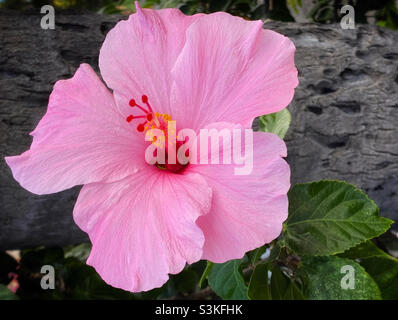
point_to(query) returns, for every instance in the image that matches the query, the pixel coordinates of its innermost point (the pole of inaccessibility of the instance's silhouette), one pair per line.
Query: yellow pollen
(159, 121)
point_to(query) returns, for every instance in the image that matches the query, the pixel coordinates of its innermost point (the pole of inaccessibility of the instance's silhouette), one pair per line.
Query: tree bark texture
(345, 111)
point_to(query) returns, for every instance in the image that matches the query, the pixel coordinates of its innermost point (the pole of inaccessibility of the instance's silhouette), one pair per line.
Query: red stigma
(148, 113)
(141, 127)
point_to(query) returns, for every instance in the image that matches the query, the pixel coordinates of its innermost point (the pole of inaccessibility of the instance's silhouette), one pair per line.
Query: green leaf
(279, 287)
(205, 273)
(329, 217)
(255, 255)
(275, 252)
(293, 292)
(284, 288)
(382, 267)
(327, 276)
(7, 294)
(81, 251)
(259, 288)
(226, 280)
(277, 122)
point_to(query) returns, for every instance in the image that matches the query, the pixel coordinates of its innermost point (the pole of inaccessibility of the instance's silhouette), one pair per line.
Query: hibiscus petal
(231, 70)
(247, 210)
(138, 54)
(81, 139)
(143, 227)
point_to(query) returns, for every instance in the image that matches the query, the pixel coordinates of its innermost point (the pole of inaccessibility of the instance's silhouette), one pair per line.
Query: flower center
(156, 120)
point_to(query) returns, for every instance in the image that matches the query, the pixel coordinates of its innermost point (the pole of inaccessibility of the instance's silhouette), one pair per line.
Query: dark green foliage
(323, 11)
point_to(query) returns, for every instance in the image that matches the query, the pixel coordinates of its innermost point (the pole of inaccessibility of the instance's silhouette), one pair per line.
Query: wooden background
(345, 111)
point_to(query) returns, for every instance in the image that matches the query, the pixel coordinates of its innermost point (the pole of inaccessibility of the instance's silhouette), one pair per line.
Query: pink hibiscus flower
(146, 222)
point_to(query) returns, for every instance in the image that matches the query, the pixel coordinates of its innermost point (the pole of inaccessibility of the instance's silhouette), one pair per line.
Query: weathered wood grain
(345, 111)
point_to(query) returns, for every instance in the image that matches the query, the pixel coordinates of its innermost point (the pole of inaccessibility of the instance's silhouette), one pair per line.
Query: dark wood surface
(345, 111)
